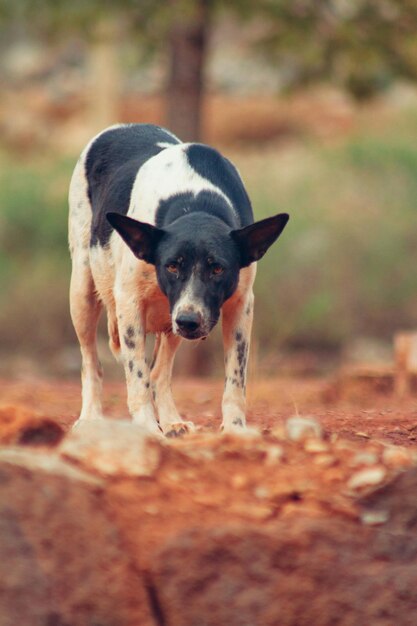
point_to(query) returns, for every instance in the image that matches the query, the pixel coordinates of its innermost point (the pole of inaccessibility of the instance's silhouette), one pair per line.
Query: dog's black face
(197, 266)
(197, 260)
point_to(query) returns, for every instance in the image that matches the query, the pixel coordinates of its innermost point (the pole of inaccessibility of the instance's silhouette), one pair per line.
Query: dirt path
(270, 402)
(218, 520)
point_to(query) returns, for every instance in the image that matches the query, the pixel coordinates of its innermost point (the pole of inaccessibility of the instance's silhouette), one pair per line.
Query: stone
(398, 498)
(45, 463)
(112, 448)
(299, 428)
(394, 456)
(364, 458)
(279, 432)
(368, 477)
(324, 460)
(274, 454)
(19, 425)
(315, 446)
(238, 481)
(298, 572)
(62, 560)
(374, 518)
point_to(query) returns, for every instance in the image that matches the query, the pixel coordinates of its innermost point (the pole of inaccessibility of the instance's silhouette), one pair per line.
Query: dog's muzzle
(190, 325)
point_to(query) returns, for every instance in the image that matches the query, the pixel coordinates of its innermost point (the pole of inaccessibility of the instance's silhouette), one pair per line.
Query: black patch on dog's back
(210, 164)
(112, 165)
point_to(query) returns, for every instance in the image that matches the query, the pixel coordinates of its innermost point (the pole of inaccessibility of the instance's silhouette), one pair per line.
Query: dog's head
(197, 260)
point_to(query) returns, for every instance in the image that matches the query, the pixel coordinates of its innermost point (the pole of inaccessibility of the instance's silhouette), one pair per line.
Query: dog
(162, 235)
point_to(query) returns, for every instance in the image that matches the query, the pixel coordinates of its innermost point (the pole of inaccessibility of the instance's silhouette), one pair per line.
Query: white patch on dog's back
(164, 175)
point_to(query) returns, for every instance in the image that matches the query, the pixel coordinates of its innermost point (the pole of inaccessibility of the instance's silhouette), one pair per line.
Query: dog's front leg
(237, 326)
(132, 332)
(170, 421)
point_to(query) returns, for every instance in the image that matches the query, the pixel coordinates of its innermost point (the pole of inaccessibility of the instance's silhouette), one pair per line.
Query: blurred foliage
(53, 18)
(344, 266)
(34, 263)
(360, 45)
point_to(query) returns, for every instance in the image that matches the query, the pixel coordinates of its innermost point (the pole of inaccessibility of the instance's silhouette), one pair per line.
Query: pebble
(279, 432)
(238, 481)
(364, 458)
(261, 492)
(363, 435)
(397, 457)
(315, 445)
(274, 454)
(367, 478)
(342, 444)
(374, 518)
(254, 511)
(300, 428)
(324, 460)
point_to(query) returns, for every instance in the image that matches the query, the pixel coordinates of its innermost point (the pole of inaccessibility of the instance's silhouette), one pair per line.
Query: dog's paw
(97, 417)
(178, 429)
(237, 425)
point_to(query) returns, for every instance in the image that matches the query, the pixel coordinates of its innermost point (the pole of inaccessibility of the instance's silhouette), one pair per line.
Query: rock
(315, 446)
(274, 454)
(62, 560)
(367, 478)
(397, 457)
(112, 447)
(45, 463)
(279, 432)
(374, 518)
(324, 460)
(300, 428)
(20, 426)
(398, 498)
(238, 481)
(298, 572)
(364, 458)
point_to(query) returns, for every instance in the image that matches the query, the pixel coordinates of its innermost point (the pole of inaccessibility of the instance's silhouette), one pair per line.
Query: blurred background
(315, 102)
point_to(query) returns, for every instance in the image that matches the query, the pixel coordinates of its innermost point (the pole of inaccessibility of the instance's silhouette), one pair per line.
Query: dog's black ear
(254, 240)
(141, 238)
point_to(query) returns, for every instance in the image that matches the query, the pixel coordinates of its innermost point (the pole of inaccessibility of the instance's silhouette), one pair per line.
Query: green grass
(346, 265)
(34, 259)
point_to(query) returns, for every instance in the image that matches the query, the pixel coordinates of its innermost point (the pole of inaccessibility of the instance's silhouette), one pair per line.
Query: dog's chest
(153, 302)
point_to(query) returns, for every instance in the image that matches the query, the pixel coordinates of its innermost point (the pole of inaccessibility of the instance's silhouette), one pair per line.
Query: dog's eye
(172, 268)
(217, 269)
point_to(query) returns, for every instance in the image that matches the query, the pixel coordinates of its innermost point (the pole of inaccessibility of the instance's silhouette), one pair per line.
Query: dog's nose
(188, 322)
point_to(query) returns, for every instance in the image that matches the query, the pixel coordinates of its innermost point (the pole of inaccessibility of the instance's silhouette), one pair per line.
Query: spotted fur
(183, 211)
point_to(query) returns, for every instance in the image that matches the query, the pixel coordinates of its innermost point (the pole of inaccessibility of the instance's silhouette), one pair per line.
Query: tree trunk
(187, 49)
(104, 76)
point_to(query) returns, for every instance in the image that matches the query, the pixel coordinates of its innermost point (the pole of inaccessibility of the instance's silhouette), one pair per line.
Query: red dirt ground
(268, 484)
(356, 416)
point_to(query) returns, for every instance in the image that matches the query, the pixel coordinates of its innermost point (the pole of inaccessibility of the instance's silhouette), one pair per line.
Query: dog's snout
(189, 322)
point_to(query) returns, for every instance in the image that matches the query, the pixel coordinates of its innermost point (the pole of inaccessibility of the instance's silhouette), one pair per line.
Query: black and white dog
(191, 253)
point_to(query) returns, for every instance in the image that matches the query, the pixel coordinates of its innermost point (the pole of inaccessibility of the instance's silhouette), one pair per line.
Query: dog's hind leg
(237, 327)
(85, 309)
(169, 419)
(113, 330)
